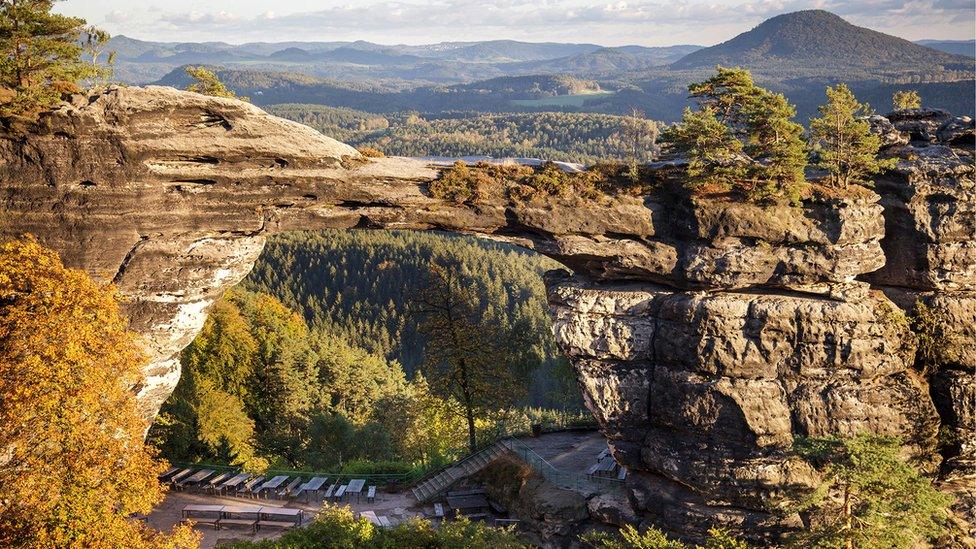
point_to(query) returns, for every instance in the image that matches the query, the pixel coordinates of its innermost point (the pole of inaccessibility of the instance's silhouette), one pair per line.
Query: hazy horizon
(577, 21)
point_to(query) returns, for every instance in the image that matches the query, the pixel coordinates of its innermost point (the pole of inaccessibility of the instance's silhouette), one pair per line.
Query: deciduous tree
(476, 363)
(73, 466)
(843, 140)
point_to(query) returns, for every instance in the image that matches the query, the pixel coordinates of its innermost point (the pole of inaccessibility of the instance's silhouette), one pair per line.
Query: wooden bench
(210, 521)
(438, 510)
(203, 514)
(285, 524)
(330, 491)
(384, 522)
(340, 492)
(250, 523)
(371, 494)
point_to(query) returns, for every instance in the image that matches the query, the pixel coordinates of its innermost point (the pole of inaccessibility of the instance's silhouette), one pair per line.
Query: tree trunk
(848, 524)
(472, 439)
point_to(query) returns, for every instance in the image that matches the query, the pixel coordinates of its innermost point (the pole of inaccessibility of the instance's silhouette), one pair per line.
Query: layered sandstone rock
(707, 333)
(930, 245)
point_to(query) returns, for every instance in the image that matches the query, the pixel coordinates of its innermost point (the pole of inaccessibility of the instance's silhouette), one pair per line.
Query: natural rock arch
(706, 333)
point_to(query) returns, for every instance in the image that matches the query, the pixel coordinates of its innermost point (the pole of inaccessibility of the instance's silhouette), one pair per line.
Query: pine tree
(870, 498)
(906, 99)
(714, 154)
(774, 154)
(847, 148)
(206, 82)
(40, 58)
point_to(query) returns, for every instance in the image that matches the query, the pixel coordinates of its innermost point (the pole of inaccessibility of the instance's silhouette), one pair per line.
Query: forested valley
(318, 359)
(564, 136)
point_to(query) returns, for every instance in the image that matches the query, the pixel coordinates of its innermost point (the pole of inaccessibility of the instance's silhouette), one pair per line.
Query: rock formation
(706, 333)
(930, 246)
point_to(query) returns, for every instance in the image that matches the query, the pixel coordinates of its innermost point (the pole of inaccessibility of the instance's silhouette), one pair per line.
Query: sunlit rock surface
(707, 333)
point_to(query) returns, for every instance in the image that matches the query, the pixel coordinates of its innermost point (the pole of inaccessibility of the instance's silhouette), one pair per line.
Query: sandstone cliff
(706, 333)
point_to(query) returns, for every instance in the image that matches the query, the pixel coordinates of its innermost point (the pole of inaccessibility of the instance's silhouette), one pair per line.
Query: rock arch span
(706, 333)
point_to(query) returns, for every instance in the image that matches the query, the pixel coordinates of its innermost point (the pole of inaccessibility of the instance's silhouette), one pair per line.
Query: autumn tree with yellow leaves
(73, 466)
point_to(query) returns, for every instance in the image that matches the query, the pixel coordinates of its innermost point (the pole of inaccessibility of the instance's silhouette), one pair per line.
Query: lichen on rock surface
(707, 334)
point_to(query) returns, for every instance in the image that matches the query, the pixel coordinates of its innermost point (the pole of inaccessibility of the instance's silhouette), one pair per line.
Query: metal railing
(569, 480)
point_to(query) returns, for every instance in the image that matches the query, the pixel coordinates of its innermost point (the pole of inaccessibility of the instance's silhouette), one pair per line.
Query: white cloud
(603, 21)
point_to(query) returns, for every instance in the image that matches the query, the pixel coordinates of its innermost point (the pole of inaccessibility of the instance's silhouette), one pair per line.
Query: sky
(606, 22)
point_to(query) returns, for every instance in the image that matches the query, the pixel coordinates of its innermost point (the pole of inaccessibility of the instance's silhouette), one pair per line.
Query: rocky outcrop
(707, 334)
(930, 245)
(549, 516)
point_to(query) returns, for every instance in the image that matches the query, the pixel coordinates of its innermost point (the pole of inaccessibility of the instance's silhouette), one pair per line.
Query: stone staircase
(431, 487)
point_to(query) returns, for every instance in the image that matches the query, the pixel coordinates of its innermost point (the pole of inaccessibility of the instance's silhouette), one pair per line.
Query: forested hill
(358, 285)
(817, 38)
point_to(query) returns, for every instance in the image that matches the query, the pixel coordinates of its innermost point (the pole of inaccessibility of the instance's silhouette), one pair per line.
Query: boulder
(920, 124)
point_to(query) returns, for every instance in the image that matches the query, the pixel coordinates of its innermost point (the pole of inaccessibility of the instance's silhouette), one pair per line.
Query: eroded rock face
(707, 334)
(930, 245)
(709, 389)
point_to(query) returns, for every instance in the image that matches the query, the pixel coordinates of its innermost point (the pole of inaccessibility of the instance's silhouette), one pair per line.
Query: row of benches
(250, 516)
(247, 485)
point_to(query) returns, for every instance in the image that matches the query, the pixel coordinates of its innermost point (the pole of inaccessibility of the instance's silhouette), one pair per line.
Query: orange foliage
(73, 466)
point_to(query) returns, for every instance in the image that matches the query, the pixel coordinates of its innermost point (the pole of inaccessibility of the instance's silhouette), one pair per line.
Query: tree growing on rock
(74, 466)
(906, 99)
(773, 154)
(40, 57)
(714, 154)
(468, 359)
(842, 138)
(206, 82)
(636, 136)
(870, 498)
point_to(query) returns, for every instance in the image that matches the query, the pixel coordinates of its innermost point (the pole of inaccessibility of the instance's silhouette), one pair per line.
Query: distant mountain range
(957, 47)
(450, 62)
(797, 54)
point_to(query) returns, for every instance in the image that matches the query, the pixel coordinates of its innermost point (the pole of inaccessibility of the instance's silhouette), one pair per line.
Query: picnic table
(473, 503)
(213, 482)
(197, 477)
(273, 483)
(292, 488)
(203, 514)
(371, 517)
(180, 475)
(189, 510)
(280, 517)
(240, 515)
(168, 472)
(235, 481)
(355, 486)
(313, 485)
